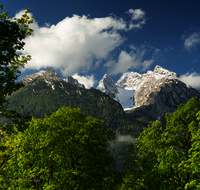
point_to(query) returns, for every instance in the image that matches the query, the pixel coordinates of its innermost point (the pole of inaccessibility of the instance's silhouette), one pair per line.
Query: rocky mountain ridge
(156, 92)
(133, 80)
(107, 85)
(74, 82)
(48, 76)
(123, 95)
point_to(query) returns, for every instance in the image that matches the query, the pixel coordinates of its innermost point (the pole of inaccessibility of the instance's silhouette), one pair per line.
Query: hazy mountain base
(39, 99)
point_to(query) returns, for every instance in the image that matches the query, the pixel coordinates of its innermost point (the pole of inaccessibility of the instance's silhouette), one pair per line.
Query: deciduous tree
(11, 35)
(167, 158)
(63, 151)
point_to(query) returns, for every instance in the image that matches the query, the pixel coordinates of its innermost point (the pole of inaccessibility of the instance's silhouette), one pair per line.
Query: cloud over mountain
(79, 44)
(133, 60)
(192, 79)
(88, 81)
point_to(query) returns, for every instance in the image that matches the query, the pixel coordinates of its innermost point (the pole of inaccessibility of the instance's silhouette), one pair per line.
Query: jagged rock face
(163, 95)
(155, 92)
(146, 85)
(51, 73)
(107, 85)
(42, 75)
(74, 82)
(49, 77)
(129, 80)
(151, 82)
(158, 69)
(161, 91)
(133, 81)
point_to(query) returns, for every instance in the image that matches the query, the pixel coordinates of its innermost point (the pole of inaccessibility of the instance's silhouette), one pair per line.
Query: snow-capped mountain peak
(158, 69)
(118, 93)
(129, 80)
(106, 84)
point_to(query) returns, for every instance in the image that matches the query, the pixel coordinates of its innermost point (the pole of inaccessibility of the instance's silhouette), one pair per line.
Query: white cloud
(147, 64)
(137, 15)
(191, 41)
(88, 81)
(74, 43)
(131, 46)
(132, 60)
(192, 79)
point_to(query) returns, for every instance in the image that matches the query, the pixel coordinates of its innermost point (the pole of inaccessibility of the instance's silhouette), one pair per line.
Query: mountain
(51, 75)
(161, 91)
(152, 94)
(44, 92)
(146, 97)
(74, 82)
(123, 95)
(129, 80)
(107, 85)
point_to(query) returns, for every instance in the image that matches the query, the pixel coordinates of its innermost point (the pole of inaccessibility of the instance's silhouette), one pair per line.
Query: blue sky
(87, 39)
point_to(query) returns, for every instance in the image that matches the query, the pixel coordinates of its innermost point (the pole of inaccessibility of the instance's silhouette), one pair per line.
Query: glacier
(125, 97)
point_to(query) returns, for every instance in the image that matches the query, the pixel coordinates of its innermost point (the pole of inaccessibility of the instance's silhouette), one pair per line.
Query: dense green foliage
(167, 159)
(11, 35)
(39, 99)
(63, 151)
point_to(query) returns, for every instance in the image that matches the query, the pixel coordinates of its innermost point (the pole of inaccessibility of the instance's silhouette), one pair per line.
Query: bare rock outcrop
(161, 91)
(107, 85)
(49, 77)
(42, 75)
(74, 82)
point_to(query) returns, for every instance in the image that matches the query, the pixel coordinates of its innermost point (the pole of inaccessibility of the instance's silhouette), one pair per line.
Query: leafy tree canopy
(11, 35)
(167, 158)
(63, 151)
